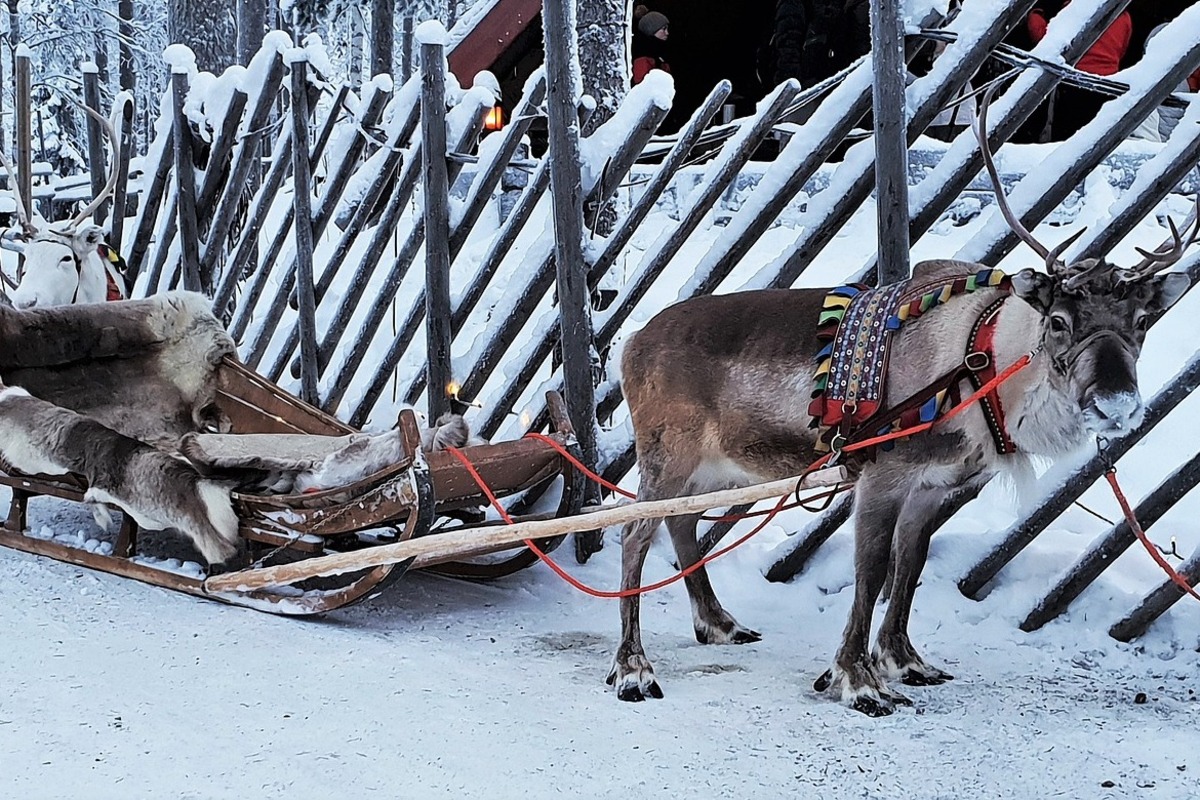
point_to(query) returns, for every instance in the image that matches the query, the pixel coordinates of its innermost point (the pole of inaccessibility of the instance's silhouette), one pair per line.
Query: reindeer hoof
(634, 680)
(930, 676)
(732, 633)
(872, 707)
(824, 682)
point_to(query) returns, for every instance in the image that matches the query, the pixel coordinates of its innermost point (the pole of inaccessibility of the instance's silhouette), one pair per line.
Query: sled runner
(402, 501)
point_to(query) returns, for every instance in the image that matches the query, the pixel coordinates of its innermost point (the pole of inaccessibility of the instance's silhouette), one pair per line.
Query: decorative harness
(858, 322)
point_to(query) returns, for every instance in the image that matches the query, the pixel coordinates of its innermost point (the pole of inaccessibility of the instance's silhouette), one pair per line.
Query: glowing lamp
(493, 120)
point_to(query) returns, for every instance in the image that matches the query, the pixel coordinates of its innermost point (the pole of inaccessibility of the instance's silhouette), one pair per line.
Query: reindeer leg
(712, 623)
(632, 672)
(894, 654)
(854, 672)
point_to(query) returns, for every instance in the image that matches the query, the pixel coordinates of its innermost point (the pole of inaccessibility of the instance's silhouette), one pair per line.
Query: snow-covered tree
(208, 28)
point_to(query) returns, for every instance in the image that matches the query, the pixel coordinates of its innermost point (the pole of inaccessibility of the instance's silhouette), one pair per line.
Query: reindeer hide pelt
(160, 492)
(146, 368)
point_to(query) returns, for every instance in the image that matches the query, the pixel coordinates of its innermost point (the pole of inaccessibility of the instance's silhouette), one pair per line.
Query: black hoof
(935, 678)
(822, 683)
(899, 700)
(632, 693)
(871, 707)
(747, 637)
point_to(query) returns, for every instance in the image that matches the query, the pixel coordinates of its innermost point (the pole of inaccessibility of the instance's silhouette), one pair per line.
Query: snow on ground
(442, 688)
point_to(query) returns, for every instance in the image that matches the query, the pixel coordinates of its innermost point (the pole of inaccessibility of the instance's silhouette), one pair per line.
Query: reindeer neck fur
(1042, 419)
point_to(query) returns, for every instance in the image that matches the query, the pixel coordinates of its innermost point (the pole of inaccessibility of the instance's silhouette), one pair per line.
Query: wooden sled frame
(398, 503)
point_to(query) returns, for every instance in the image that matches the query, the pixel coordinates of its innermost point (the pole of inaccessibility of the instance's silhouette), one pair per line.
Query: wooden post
(120, 192)
(891, 147)
(302, 204)
(185, 182)
(406, 48)
(383, 37)
(22, 137)
(95, 136)
(571, 271)
(437, 227)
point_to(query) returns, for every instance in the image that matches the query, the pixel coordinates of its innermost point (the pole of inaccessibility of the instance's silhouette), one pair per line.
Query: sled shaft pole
(439, 546)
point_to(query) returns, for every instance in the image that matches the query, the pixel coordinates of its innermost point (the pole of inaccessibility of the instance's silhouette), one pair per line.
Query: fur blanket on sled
(146, 368)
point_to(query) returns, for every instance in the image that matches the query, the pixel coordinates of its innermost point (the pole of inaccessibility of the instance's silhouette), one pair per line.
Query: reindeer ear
(1166, 289)
(1035, 288)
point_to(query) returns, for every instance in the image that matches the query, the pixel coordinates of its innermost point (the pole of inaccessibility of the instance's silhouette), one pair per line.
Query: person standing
(651, 29)
(1074, 106)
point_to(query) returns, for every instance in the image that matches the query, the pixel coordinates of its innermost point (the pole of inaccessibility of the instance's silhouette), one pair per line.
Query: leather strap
(980, 362)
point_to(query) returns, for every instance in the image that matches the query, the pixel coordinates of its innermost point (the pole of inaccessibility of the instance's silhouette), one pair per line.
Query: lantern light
(493, 120)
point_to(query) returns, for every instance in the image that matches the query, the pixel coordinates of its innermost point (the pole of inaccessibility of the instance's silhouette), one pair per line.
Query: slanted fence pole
(185, 183)
(891, 147)
(302, 204)
(96, 161)
(566, 189)
(1104, 552)
(437, 227)
(1156, 603)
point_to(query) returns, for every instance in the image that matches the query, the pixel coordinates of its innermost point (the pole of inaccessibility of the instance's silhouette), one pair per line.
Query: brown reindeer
(718, 388)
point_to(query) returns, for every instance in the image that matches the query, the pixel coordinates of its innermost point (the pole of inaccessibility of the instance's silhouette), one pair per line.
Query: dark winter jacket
(816, 38)
(648, 53)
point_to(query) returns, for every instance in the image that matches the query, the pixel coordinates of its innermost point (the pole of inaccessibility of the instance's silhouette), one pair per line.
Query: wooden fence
(312, 260)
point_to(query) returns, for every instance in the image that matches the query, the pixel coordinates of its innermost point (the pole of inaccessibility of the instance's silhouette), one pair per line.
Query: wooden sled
(398, 503)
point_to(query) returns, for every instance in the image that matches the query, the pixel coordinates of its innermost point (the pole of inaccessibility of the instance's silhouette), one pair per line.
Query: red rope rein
(1111, 476)
(991, 385)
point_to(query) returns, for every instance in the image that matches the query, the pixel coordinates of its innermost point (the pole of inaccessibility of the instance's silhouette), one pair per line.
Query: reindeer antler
(27, 226)
(111, 135)
(1167, 253)
(1054, 265)
(1020, 230)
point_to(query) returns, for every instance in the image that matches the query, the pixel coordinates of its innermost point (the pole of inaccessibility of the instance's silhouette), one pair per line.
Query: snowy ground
(448, 689)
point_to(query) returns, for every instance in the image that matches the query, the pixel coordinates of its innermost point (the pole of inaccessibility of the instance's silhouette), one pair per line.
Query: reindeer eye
(1059, 323)
(1142, 323)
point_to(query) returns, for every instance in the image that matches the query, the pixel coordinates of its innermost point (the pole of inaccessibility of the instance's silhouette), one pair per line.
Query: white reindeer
(68, 263)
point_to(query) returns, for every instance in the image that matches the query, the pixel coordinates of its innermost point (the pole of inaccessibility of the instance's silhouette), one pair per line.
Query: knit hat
(652, 22)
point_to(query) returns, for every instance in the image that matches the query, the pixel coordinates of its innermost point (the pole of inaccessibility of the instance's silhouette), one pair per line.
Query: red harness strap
(980, 362)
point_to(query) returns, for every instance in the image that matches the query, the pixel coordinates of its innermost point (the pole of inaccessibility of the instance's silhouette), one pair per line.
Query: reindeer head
(68, 263)
(1094, 315)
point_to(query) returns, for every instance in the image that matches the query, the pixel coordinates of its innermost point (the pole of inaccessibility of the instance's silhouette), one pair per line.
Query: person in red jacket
(649, 43)
(1075, 107)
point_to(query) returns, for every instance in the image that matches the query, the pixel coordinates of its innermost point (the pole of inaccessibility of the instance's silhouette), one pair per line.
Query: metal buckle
(977, 361)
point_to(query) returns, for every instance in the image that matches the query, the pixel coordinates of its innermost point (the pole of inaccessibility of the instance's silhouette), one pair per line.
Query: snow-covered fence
(352, 329)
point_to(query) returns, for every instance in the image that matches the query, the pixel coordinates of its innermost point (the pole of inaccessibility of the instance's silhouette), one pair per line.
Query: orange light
(493, 120)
